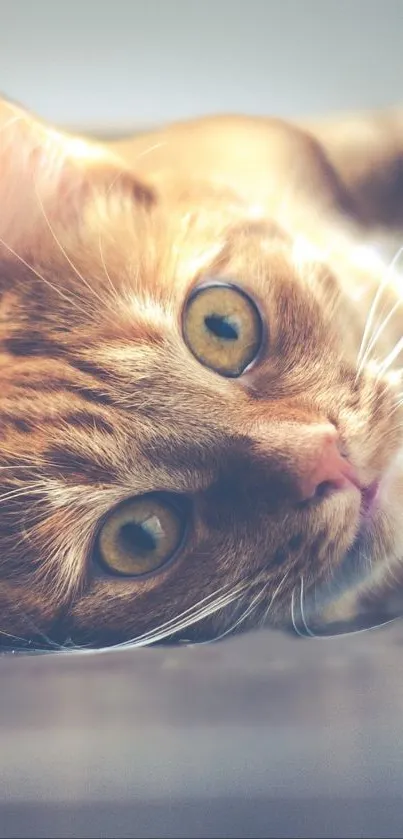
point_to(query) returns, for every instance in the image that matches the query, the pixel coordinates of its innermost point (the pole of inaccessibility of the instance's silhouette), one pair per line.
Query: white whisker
(203, 608)
(391, 358)
(249, 609)
(301, 604)
(355, 631)
(179, 626)
(295, 627)
(151, 149)
(364, 350)
(107, 275)
(64, 252)
(16, 493)
(274, 595)
(70, 300)
(13, 637)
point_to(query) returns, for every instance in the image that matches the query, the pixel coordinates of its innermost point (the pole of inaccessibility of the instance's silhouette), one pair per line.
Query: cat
(201, 401)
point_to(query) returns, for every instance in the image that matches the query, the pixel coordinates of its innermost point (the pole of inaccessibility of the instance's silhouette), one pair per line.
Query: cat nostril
(324, 467)
(324, 489)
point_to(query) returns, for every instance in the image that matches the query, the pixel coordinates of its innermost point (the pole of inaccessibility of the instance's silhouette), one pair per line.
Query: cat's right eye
(222, 327)
(140, 536)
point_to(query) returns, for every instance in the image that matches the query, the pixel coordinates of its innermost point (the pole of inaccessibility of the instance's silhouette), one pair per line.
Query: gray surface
(123, 62)
(258, 736)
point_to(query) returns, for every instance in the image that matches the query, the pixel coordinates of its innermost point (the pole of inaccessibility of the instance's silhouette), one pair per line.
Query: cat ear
(48, 174)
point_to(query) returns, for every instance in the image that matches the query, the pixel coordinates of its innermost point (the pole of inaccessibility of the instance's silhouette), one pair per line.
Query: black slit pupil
(136, 537)
(221, 327)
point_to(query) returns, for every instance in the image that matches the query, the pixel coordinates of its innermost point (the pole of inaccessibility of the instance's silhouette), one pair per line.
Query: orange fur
(101, 400)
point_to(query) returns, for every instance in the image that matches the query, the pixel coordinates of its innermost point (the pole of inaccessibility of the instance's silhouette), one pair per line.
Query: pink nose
(322, 467)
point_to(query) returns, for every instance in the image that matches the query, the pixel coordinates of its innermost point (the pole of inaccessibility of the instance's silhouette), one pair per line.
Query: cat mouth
(367, 511)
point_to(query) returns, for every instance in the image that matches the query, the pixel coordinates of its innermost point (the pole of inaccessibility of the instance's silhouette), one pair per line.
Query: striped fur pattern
(100, 400)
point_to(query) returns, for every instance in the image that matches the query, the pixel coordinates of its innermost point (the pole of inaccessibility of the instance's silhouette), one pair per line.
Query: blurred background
(117, 64)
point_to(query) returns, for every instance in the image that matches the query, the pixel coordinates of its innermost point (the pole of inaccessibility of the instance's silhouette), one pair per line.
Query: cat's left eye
(140, 536)
(222, 327)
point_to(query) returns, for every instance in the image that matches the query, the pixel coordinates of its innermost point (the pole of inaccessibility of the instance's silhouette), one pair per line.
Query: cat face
(187, 449)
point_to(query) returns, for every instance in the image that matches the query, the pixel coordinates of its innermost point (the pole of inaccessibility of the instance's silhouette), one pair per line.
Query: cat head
(187, 446)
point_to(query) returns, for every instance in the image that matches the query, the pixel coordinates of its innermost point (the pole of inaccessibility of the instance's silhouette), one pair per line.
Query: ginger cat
(201, 399)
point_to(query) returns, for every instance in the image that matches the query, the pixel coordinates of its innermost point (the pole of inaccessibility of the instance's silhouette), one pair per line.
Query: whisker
(254, 604)
(249, 609)
(151, 149)
(274, 595)
(204, 608)
(355, 631)
(70, 300)
(159, 635)
(13, 637)
(363, 350)
(107, 275)
(165, 630)
(380, 329)
(64, 252)
(167, 626)
(20, 491)
(391, 357)
(296, 630)
(301, 605)
(54, 645)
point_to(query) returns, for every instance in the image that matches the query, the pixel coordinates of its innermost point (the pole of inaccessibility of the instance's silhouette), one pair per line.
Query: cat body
(200, 406)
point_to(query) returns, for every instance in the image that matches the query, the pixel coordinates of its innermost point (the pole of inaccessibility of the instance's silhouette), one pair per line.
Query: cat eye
(222, 328)
(140, 536)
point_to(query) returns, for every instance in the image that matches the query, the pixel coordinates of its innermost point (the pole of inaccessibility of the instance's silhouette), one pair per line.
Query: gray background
(97, 64)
